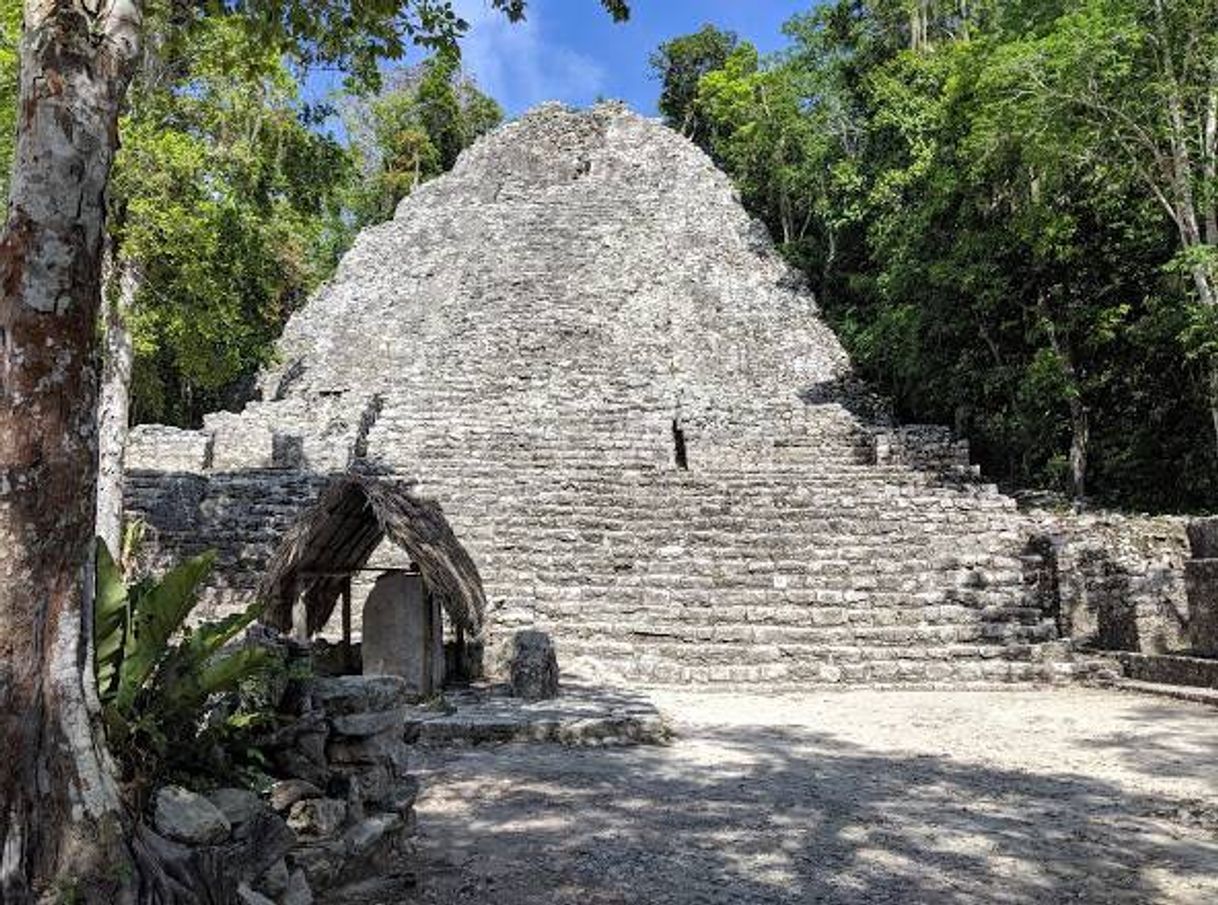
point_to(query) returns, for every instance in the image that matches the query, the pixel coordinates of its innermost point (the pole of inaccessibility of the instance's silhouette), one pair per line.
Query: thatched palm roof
(338, 535)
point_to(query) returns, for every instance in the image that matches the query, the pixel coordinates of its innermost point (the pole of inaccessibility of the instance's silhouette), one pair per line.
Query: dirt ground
(1075, 795)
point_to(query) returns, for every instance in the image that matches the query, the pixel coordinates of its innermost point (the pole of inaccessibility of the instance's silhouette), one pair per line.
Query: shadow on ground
(762, 814)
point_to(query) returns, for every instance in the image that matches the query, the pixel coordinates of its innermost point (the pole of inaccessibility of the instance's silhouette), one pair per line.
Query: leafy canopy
(992, 202)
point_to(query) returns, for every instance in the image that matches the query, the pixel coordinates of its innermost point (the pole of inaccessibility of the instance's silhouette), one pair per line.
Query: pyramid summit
(633, 416)
(568, 256)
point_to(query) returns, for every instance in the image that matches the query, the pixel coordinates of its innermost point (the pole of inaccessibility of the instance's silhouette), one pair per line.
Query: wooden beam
(348, 573)
(346, 592)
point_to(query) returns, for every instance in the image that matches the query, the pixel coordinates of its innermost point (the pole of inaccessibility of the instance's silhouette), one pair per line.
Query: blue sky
(570, 50)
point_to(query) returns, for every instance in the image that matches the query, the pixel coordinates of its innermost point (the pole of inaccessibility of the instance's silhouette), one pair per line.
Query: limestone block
(387, 749)
(1201, 580)
(343, 695)
(317, 817)
(184, 816)
(361, 725)
(240, 806)
(287, 792)
(238, 443)
(155, 447)
(534, 666)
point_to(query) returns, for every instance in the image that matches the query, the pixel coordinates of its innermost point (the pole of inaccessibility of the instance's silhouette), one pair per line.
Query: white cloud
(518, 65)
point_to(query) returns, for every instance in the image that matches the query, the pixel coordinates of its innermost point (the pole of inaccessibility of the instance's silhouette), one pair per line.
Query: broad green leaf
(111, 622)
(157, 614)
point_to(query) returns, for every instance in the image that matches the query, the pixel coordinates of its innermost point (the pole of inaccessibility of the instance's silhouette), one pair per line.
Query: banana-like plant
(154, 688)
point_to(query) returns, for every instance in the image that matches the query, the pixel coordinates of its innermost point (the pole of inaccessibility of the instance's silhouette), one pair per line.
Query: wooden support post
(435, 625)
(347, 666)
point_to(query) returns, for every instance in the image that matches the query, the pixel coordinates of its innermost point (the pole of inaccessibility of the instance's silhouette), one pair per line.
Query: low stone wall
(930, 447)
(348, 798)
(240, 515)
(1196, 672)
(1112, 581)
(341, 810)
(157, 447)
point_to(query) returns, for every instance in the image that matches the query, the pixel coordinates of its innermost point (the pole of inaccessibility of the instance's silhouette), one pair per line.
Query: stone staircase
(778, 557)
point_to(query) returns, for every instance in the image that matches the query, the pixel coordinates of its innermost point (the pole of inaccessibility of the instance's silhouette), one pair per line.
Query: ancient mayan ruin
(636, 422)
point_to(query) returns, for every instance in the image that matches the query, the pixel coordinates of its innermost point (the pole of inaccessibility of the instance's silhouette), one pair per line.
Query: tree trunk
(1080, 437)
(62, 829)
(1080, 422)
(113, 412)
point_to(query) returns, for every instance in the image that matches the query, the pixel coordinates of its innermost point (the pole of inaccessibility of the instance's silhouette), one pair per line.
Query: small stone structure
(311, 573)
(341, 811)
(648, 440)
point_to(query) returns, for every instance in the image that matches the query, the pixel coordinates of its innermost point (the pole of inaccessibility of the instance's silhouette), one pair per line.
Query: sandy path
(1065, 796)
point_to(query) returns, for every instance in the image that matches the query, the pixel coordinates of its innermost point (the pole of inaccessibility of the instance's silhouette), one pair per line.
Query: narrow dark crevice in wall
(680, 453)
(294, 372)
(366, 422)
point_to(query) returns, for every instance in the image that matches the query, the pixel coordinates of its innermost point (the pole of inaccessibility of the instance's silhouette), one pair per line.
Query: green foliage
(679, 64)
(411, 131)
(228, 205)
(10, 37)
(990, 209)
(160, 696)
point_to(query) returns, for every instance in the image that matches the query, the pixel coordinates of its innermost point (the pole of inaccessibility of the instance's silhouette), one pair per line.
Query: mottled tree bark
(61, 829)
(113, 413)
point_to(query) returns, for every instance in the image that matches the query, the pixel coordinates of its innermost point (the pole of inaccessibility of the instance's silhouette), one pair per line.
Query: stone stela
(403, 632)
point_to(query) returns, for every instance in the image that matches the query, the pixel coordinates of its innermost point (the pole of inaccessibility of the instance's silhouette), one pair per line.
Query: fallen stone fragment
(287, 792)
(187, 817)
(298, 891)
(317, 817)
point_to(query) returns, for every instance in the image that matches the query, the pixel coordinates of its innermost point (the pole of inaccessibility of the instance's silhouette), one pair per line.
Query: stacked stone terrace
(635, 419)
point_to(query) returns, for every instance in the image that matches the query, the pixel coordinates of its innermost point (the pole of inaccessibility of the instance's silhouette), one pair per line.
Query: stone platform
(582, 714)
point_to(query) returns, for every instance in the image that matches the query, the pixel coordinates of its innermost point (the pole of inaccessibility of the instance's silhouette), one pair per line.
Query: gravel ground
(1074, 795)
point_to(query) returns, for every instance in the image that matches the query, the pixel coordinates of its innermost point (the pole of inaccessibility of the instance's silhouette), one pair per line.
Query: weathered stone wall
(635, 420)
(1119, 579)
(241, 515)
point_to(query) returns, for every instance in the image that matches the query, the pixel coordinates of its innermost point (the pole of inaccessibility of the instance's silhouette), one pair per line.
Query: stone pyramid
(580, 344)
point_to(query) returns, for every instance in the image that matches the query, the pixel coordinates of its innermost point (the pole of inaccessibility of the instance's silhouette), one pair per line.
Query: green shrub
(168, 690)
